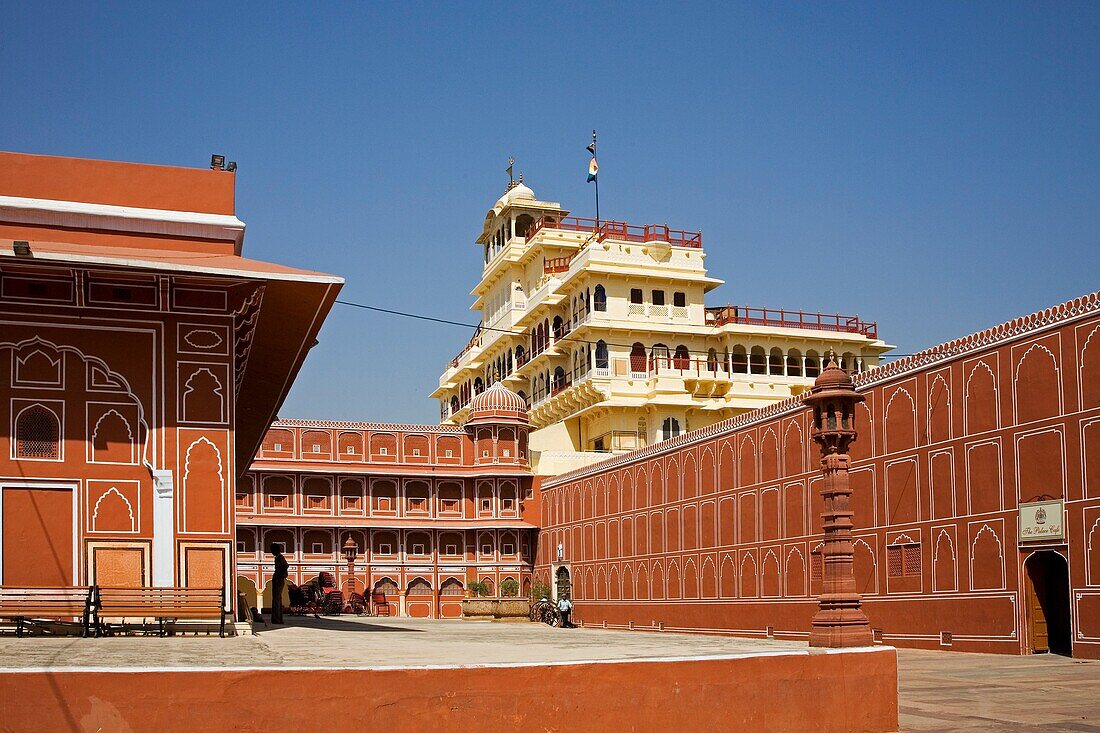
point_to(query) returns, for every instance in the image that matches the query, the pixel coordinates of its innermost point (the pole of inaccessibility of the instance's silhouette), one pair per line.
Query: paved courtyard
(368, 642)
(939, 691)
(951, 691)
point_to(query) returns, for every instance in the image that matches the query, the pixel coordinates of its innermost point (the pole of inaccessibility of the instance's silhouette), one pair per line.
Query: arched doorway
(565, 586)
(1046, 581)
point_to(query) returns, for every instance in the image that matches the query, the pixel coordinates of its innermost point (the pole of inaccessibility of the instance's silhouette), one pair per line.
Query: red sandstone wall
(116, 183)
(853, 691)
(720, 529)
(134, 371)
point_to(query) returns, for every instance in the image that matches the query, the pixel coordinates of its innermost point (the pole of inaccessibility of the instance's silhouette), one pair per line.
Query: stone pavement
(348, 641)
(974, 693)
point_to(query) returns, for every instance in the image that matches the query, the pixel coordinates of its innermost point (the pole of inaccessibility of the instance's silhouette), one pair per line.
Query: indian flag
(593, 169)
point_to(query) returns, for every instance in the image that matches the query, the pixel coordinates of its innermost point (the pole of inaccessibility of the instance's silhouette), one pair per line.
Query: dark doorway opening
(565, 588)
(1047, 603)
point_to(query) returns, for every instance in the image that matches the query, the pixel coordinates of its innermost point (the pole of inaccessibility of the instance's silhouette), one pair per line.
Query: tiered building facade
(430, 508)
(602, 326)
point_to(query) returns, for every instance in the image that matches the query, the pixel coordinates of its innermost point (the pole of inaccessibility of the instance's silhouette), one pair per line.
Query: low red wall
(853, 691)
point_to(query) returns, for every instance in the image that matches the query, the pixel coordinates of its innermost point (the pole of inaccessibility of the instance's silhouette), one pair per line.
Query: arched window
(758, 362)
(659, 354)
(637, 357)
(523, 224)
(683, 357)
(559, 327)
(479, 386)
(37, 434)
(712, 360)
(775, 362)
(670, 428)
(794, 363)
(599, 298)
(559, 378)
(740, 360)
(454, 404)
(813, 364)
(601, 354)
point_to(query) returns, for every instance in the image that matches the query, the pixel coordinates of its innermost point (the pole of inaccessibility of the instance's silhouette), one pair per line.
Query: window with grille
(451, 550)
(486, 505)
(817, 565)
(420, 587)
(318, 548)
(507, 549)
(451, 588)
(903, 560)
(385, 549)
(418, 550)
(450, 505)
(486, 549)
(508, 504)
(37, 434)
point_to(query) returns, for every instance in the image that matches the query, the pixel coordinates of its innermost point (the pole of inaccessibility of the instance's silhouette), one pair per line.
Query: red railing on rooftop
(780, 318)
(620, 230)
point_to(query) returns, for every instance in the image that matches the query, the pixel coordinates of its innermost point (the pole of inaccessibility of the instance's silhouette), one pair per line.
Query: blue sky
(934, 167)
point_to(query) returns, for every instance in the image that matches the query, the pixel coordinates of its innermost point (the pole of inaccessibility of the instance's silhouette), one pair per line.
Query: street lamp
(351, 551)
(839, 621)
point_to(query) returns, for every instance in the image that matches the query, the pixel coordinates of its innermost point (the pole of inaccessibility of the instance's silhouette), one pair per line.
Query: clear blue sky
(934, 167)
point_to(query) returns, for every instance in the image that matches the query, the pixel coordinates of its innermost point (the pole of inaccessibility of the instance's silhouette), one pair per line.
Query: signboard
(1041, 521)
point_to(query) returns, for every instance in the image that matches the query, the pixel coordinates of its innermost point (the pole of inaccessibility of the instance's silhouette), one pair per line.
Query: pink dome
(497, 404)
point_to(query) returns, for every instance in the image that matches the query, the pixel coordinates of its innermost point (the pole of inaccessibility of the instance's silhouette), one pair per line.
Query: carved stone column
(839, 621)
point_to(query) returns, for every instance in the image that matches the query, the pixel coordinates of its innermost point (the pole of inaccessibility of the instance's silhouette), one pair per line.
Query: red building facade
(431, 508)
(141, 360)
(962, 449)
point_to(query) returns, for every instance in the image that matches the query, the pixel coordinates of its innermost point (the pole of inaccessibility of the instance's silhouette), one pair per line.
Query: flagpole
(596, 181)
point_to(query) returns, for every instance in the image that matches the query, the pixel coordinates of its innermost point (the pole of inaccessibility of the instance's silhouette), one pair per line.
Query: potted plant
(478, 606)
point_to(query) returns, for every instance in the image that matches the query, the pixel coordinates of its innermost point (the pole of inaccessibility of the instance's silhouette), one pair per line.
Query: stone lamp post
(351, 551)
(839, 621)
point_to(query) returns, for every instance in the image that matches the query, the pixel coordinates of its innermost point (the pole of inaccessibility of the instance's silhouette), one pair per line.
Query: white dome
(520, 193)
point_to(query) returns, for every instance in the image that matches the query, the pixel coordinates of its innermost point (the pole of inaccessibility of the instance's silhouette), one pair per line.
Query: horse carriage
(320, 596)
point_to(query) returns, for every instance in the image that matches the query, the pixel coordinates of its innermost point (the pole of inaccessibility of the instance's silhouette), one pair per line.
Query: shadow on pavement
(326, 623)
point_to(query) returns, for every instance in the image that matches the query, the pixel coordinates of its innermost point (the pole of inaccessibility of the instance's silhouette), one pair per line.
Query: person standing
(278, 580)
(565, 607)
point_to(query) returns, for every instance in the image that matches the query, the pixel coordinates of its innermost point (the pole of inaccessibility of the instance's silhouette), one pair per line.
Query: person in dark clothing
(278, 580)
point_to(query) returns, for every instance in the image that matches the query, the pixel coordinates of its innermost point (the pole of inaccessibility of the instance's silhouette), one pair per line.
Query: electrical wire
(566, 337)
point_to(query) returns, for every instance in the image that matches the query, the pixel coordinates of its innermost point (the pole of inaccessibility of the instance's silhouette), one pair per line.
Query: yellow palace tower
(603, 328)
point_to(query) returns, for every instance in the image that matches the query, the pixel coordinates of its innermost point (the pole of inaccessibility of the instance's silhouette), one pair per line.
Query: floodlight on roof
(217, 162)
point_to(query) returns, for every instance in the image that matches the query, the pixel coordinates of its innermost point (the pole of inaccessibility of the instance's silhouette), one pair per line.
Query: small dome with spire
(497, 404)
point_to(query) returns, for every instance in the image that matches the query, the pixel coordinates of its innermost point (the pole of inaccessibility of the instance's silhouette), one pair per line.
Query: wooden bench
(162, 604)
(24, 603)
